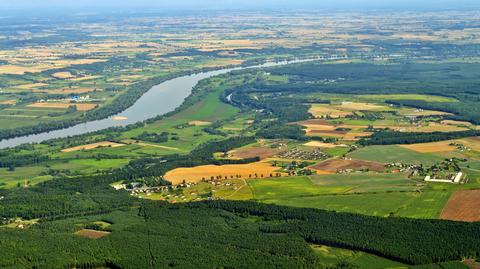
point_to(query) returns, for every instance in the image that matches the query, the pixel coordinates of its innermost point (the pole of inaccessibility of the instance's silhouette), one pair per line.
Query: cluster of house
(303, 154)
(401, 167)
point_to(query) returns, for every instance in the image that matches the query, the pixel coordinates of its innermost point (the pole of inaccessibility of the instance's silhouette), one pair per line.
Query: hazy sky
(240, 4)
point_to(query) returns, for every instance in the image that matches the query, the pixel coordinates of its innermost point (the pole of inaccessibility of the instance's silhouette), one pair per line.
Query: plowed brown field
(463, 206)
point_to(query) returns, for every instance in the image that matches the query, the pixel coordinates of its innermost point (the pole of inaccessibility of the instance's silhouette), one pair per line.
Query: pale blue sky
(212, 4)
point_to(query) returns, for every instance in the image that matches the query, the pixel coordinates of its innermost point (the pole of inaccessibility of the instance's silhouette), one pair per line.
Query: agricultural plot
(443, 146)
(463, 205)
(335, 165)
(92, 234)
(79, 107)
(394, 154)
(344, 109)
(94, 146)
(22, 176)
(209, 172)
(263, 152)
(357, 193)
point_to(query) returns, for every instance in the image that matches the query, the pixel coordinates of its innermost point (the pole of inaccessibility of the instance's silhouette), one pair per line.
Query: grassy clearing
(375, 204)
(330, 256)
(363, 183)
(101, 164)
(283, 189)
(428, 204)
(371, 194)
(420, 97)
(10, 179)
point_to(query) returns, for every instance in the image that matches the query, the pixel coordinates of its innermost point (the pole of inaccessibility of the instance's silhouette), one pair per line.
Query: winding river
(159, 100)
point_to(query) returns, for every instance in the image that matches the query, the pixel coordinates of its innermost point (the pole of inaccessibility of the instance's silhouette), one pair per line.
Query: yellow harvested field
(222, 62)
(318, 144)
(327, 110)
(351, 106)
(63, 75)
(206, 172)
(156, 146)
(199, 123)
(442, 146)
(67, 90)
(31, 86)
(16, 70)
(354, 136)
(319, 127)
(47, 65)
(84, 78)
(8, 102)
(455, 122)
(94, 146)
(80, 107)
(344, 109)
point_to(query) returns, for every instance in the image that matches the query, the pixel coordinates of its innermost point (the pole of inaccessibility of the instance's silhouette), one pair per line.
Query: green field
(331, 256)
(394, 154)
(370, 194)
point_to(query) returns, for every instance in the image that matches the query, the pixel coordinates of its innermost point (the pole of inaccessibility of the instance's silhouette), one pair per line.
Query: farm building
(455, 179)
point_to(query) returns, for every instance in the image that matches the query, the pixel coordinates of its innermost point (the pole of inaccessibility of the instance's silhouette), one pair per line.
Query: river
(160, 99)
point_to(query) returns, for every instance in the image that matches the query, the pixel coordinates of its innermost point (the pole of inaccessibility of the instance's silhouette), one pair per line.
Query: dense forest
(221, 234)
(459, 81)
(387, 137)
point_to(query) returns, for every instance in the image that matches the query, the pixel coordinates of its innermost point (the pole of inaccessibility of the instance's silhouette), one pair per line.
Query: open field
(354, 136)
(80, 107)
(456, 122)
(318, 144)
(335, 165)
(206, 172)
(31, 86)
(420, 97)
(463, 205)
(21, 175)
(363, 260)
(48, 65)
(348, 193)
(442, 146)
(91, 234)
(387, 154)
(320, 111)
(344, 109)
(354, 106)
(256, 151)
(94, 146)
(67, 90)
(63, 75)
(199, 123)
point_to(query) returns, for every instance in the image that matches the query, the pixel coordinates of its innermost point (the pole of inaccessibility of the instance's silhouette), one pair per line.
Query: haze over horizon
(242, 4)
